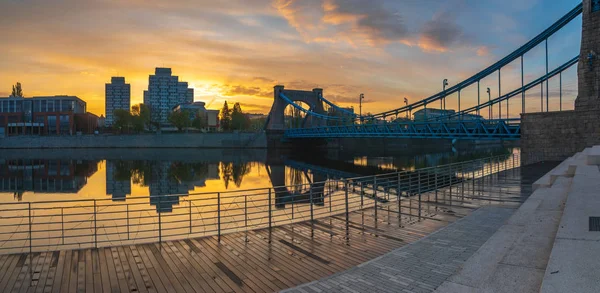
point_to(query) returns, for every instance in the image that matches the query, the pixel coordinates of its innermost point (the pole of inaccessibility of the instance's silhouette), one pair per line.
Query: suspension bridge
(487, 120)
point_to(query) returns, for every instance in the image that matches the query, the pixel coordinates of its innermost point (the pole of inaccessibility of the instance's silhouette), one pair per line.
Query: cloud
(440, 34)
(240, 90)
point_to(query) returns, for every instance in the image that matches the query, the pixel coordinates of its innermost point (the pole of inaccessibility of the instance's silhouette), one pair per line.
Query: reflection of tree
(296, 179)
(184, 172)
(234, 172)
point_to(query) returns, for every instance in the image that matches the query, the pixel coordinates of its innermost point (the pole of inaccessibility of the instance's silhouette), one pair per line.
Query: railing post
(219, 217)
(127, 218)
(95, 226)
(190, 214)
(62, 224)
(246, 211)
(346, 199)
(419, 188)
(435, 171)
(30, 235)
(270, 211)
(311, 204)
(375, 195)
(159, 219)
(362, 192)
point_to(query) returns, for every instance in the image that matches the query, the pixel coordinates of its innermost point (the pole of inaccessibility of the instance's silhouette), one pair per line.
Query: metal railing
(93, 223)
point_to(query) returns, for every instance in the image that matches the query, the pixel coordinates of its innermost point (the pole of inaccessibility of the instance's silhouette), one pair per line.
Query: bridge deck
(262, 260)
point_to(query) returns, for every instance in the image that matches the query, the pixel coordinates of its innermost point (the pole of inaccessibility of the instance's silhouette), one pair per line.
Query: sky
(237, 50)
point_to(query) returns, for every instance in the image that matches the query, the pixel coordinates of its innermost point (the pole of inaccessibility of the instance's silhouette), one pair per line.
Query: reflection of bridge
(323, 119)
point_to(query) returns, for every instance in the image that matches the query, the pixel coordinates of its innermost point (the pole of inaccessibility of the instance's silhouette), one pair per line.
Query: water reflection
(168, 175)
(44, 176)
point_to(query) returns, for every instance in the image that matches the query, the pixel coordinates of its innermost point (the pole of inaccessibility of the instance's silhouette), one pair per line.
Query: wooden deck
(254, 261)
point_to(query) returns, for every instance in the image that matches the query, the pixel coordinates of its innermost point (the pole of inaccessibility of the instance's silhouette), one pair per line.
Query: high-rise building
(118, 96)
(165, 91)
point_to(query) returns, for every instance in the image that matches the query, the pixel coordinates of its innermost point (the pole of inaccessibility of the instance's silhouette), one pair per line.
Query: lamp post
(443, 101)
(490, 104)
(362, 97)
(406, 103)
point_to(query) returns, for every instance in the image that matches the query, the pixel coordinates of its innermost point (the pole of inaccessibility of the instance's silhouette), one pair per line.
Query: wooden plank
(7, 270)
(138, 271)
(55, 283)
(134, 281)
(112, 271)
(153, 277)
(167, 263)
(104, 277)
(73, 271)
(122, 281)
(165, 274)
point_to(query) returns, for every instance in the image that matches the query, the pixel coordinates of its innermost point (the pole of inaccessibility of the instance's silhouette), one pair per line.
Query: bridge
(308, 114)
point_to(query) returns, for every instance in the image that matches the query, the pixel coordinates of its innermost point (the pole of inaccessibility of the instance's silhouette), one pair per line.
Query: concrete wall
(205, 140)
(555, 136)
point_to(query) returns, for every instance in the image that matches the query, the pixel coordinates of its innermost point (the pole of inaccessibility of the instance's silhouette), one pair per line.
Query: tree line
(139, 119)
(233, 119)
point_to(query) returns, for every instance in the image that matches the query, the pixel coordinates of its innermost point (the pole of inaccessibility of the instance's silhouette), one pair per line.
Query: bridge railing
(93, 223)
(465, 129)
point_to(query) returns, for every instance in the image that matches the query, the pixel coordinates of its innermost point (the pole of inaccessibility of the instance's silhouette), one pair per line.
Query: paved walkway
(421, 266)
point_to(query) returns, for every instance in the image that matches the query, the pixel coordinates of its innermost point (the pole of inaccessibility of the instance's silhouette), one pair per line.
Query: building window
(51, 106)
(44, 107)
(595, 5)
(52, 124)
(64, 124)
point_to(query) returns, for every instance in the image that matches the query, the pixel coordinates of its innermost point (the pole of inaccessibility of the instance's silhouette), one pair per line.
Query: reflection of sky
(211, 177)
(387, 49)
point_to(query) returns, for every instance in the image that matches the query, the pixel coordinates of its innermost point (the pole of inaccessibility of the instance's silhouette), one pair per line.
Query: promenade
(286, 256)
(549, 244)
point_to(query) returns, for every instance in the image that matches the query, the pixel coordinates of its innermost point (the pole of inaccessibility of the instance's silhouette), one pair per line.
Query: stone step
(574, 261)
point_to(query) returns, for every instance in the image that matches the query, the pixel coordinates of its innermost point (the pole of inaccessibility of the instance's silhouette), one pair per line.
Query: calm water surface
(34, 176)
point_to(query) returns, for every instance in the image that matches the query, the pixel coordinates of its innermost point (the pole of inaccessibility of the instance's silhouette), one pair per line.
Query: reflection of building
(45, 176)
(119, 188)
(162, 185)
(118, 96)
(165, 91)
(44, 115)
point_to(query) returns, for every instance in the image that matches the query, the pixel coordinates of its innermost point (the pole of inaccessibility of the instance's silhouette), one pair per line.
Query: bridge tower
(558, 135)
(588, 71)
(311, 98)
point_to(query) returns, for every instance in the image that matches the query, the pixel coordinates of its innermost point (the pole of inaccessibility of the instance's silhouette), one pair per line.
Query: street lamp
(406, 103)
(490, 104)
(362, 97)
(444, 85)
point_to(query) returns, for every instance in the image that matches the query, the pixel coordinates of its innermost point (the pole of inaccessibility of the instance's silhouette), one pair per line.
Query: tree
(199, 122)
(141, 116)
(239, 120)
(180, 119)
(225, 117)
(17, 91)
(123, 119)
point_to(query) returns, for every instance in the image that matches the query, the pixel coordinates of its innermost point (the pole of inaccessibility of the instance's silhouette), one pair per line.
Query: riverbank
(179, 140)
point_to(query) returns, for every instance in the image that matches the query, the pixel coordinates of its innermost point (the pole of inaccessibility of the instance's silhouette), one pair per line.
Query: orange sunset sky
(237, 50)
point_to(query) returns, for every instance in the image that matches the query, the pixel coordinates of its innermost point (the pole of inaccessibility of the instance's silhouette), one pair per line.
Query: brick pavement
(421, 266)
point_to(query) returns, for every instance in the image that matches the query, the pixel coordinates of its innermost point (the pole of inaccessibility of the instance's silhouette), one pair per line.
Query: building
(117, 96)
(42, 115)
(198, 109)
(431, 113)
(164, 93)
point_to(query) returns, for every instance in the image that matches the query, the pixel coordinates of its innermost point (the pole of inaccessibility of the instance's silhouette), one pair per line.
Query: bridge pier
(554, 136)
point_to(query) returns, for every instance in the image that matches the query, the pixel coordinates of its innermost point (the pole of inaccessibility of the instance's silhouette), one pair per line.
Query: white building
(165, 91)
(118, 96)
